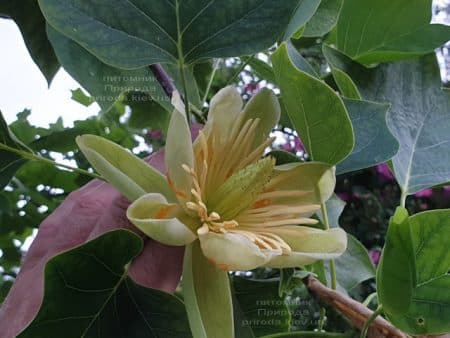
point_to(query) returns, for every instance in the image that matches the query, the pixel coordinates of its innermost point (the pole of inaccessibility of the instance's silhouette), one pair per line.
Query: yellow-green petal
(233, 251)
(224, 109)
(308, 245)
(128, 173)
(317, 177)
(207, 296)
(178, 151)
(150, 213)
(265, 106)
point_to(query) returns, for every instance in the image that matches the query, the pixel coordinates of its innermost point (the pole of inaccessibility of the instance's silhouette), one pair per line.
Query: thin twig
(354, 311)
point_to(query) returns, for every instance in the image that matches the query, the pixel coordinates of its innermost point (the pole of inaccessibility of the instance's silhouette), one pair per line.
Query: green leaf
(325, 18)
(315, 111)
(88, 294)
(334, 206)
(374, 142)
(31, 22)
(261, 68)
(10, 161)
(418, 117)
(79, 96)
(146, 112)
(413, 276)
(259, 308)
(354, 266)
(302, 14)
(105, 83)
(206, 292)
(384, 30)
(133, 34)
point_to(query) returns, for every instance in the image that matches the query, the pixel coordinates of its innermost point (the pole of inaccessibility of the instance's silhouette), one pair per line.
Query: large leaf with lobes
(374, 142)
(132, 34)
(88, 294)
(384, 30)
(104, 82)
(316, 111)
(413, 277)
(419, 117)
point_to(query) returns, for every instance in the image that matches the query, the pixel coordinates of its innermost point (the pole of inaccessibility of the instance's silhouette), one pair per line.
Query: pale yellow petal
(232, 251)
(308, 245)
(178, 152)
(156, 218)
(264, 106)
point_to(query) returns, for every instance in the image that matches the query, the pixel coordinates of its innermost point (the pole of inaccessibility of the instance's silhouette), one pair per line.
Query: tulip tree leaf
(419, 117)
(104, 82)
(10, 161)
(88, 294)
(31, 22)
(134, 34)
(384, 30)
(374, 142)
(413, 277)
(354, 266)
(325, 18)
(258, 307)
(315, 110)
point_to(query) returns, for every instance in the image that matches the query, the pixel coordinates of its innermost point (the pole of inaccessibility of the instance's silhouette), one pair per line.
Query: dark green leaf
(10, 162)
(316, 111)
(283, 157)
(260, 307)
(413, 276)
(145, 112)
(28, 17)
(104, 82)
(133, 34)
(88, 294)
(324, 19)
(374, 142)
(384, 30)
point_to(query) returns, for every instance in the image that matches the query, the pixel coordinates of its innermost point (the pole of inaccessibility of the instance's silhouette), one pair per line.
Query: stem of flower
(332, 264)
(30, 156)
(403, 199)
(369, 321)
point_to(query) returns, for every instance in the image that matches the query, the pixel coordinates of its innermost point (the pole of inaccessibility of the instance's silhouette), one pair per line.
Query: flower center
(212, 222)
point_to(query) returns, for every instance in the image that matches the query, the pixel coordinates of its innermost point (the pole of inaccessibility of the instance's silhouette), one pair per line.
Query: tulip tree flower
(232, 208)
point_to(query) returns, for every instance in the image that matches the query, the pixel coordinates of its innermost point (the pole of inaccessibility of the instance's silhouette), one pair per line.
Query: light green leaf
(316, 111)
(104, 82)
(31, 23)
(134, 34)
(384, 30)
(128, 173)
(79, 96)
(324, 19)
(334, 206)
(10, 162)
(413, 279)
(374, 142)
(88, 294)
(207, 295)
